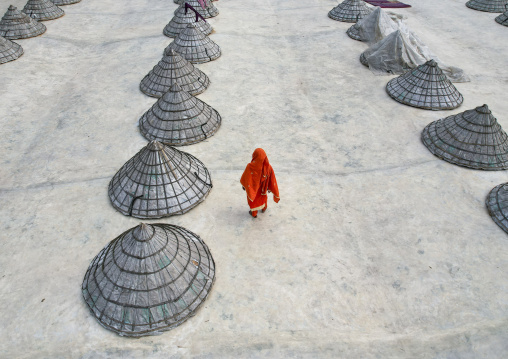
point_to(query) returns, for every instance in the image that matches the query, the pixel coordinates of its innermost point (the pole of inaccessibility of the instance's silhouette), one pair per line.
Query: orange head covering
(256, 173)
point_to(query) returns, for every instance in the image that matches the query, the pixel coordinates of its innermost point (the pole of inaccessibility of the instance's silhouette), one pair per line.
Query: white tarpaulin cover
(401, 51)
(373, 27)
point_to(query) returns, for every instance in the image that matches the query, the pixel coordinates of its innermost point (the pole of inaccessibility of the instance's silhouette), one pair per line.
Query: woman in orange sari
(257, 180)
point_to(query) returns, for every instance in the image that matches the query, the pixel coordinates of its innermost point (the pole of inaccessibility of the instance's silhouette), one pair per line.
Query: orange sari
(258, 179)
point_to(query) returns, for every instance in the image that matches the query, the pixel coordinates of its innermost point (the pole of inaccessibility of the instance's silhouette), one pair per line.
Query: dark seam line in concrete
(92, 44)
(338, 174)
(52, 184)
(132, 39)
(102, 14)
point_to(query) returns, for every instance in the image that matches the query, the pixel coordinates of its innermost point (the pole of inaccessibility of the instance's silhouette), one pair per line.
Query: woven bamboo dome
(488, 5)
(173, 68)
(149, 279)
(503, 19)
(350, 11)
(209, 11)
(373, 27)
(159, 181)
(180, 21)
(9, 51)
(194, 46)
(472, 139)
(65, 2)
(179, 119)
(17, 25)
(497, 205)
(179, 2)
(42, 10)
(425, 87)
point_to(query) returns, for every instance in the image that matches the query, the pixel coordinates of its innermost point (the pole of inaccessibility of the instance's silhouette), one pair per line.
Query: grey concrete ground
(377, 249)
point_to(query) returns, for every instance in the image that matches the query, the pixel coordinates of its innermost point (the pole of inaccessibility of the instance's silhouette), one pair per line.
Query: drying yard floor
(377, 248)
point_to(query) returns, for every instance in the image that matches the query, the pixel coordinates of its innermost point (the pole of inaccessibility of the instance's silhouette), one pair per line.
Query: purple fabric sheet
(387, 4)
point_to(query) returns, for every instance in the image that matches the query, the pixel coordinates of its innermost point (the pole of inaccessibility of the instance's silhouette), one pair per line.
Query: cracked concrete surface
(377, 249)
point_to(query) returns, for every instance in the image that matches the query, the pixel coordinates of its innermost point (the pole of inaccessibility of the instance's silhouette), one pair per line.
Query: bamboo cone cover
(472, 139)
(159, 181)
(173, 68)
(149, 279)
(488, 5)
(17, 25)
(350, 11)
(9, 51)
(179, 119)
(194, 46)
(209, 11)
(503, 18)
(65, 2)
(354, 31)
(181, 20)
(425, 87)
(42, 10)
(497, 205)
